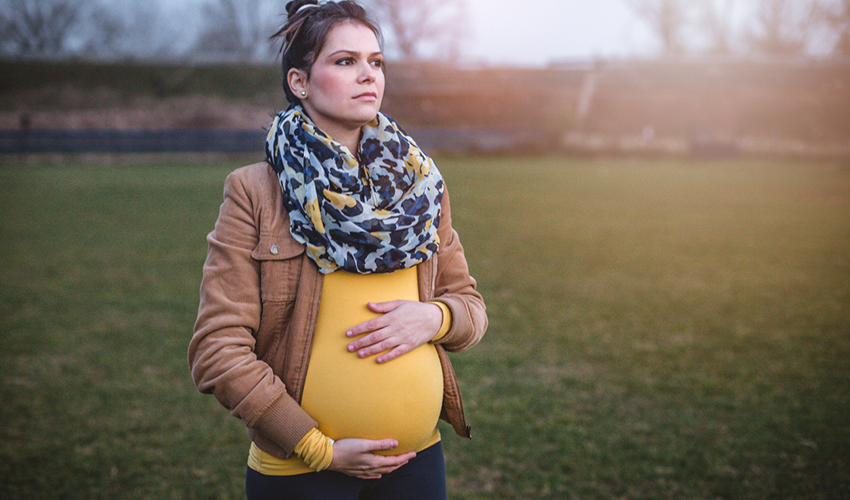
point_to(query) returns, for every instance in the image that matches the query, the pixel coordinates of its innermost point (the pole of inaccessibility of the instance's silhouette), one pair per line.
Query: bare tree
(38, 27)
(126, 28)
(105, 32)
(238, 29)
(667, 19)
(716, 20)
(782, 27)
(422, 29)
(836, 17)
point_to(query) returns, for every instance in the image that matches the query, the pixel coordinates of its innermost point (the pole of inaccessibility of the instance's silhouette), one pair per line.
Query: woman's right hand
(355, 457)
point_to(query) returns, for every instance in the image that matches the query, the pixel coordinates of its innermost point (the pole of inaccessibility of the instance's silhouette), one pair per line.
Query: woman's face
(346, 83)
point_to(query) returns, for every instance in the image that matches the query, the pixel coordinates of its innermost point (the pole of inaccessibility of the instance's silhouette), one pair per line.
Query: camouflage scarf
(374, 213)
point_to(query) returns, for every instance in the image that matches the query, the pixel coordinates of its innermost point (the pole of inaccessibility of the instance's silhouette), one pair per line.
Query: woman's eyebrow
(353, 52)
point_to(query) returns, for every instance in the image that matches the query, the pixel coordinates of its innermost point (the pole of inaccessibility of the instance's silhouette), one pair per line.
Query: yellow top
(352, 397)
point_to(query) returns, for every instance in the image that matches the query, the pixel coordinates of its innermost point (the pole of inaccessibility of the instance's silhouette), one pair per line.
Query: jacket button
(274, 250)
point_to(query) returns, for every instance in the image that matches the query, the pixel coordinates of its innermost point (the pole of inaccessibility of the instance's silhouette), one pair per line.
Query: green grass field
(659, 329)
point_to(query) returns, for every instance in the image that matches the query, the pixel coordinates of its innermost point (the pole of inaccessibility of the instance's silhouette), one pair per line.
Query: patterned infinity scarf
(375, 215)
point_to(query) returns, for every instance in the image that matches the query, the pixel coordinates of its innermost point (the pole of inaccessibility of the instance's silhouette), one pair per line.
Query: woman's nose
(368, 73)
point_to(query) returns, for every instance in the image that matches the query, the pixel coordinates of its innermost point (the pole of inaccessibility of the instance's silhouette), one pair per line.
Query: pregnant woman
(334, 284)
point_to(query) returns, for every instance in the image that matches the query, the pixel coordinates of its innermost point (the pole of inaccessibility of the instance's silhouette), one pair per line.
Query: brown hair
(306, 30)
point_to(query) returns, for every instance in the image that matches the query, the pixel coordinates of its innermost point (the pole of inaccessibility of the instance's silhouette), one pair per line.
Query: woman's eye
(345, 61)
(378, 63)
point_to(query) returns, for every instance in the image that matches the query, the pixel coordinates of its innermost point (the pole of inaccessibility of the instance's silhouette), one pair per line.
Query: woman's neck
(349, 139)
(346, 134)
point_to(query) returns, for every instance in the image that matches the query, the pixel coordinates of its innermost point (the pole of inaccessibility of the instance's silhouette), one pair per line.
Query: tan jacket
(259, 300)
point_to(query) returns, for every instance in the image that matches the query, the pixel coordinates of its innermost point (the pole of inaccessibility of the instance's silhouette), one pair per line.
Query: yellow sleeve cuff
(316, 449)
(447, 320)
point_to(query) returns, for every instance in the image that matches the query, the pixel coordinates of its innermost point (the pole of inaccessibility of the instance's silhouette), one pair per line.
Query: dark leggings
(423, 478)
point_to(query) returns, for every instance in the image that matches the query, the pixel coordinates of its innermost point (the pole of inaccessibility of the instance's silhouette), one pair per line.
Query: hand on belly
(402, 325)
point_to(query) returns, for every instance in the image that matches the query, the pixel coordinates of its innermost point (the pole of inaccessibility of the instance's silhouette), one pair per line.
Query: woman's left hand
(402, 326)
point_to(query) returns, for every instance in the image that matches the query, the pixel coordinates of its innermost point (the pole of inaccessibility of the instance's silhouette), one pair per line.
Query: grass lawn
(659, 329)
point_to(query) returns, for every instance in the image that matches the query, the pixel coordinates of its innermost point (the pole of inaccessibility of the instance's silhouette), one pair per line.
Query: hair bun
(293, 6)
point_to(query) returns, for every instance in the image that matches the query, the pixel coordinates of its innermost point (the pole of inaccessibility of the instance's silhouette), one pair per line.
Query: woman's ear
(297, 81)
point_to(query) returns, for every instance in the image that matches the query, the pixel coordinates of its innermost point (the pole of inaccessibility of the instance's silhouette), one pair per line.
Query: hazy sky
(536, 32)
(550, 30)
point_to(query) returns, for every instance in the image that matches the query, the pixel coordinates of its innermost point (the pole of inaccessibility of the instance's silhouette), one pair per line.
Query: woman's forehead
(351, 36)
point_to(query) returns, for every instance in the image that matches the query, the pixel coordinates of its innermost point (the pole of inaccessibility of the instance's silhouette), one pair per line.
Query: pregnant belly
(352, 397)
(358, 398)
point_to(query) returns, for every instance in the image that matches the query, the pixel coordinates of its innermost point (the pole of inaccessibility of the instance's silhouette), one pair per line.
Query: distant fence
(130, 141)
(240, 141)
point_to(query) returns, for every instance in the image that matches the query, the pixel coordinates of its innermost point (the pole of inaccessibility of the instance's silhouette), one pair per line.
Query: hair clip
(306, 6)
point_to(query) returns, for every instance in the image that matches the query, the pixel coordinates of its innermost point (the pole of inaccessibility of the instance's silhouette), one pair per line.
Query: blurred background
(697, 77)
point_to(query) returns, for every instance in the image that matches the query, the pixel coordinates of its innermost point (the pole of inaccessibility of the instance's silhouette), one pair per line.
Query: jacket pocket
(280, 266)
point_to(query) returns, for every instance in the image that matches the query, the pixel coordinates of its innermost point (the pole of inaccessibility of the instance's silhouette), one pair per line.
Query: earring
(303, 94)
